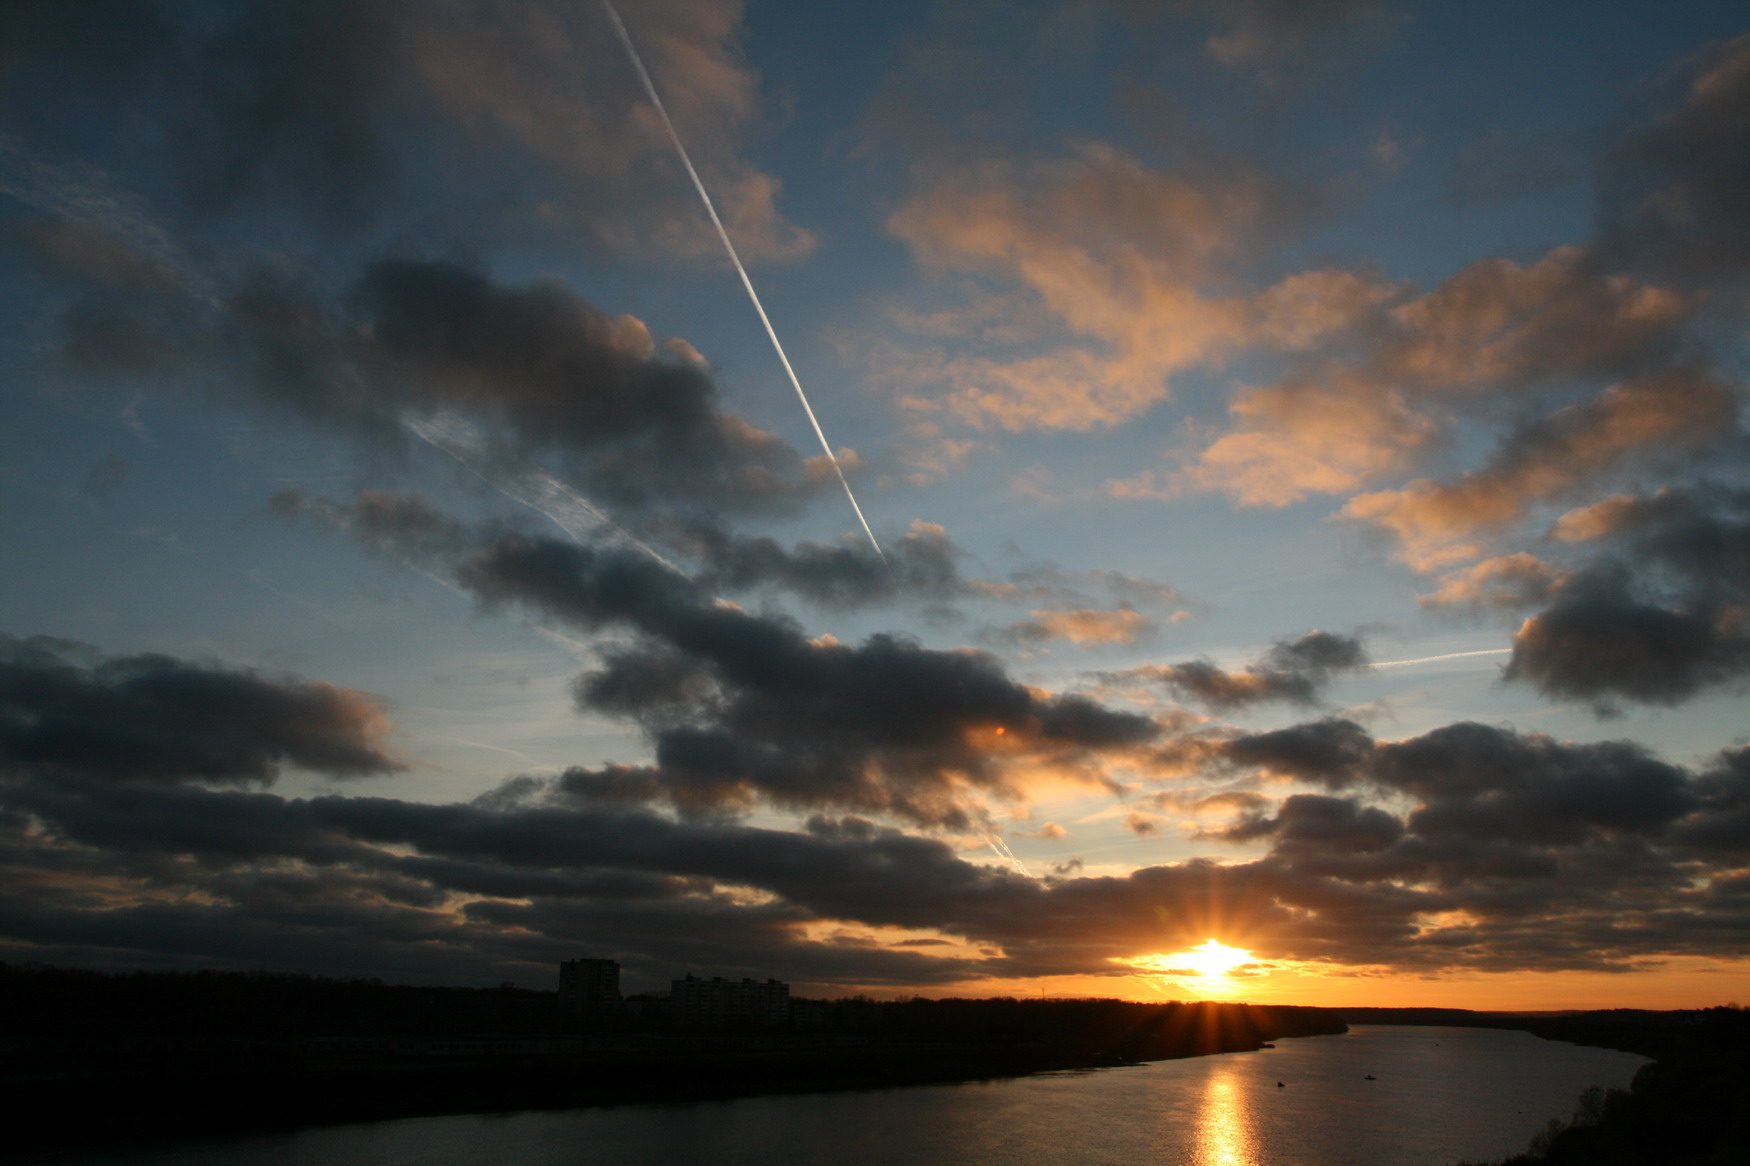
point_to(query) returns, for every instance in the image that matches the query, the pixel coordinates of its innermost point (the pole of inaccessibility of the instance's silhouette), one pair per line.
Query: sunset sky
(1307, 439)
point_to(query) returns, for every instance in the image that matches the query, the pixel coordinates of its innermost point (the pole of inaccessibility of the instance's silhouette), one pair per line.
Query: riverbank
(92, 1059)
(240, 1099)
(1441, 1095)
(1684, 1109)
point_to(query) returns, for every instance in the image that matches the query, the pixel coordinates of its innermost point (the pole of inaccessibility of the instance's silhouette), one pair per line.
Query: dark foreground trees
(263, 1051)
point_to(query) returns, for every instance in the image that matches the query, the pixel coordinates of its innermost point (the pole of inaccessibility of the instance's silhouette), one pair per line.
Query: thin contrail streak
(734, 258)
(536, 489)
(1002, 851)
(1442, 656)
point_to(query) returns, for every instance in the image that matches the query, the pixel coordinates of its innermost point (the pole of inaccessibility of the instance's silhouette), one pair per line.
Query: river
(1438, 1095)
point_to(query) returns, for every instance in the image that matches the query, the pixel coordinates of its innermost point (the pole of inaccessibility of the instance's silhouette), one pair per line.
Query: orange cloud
(1515, 580)
(1296, 439)
(1544, 461)
(1387, 368)
(1306, 308)
(1114, 253)
(1594, 521)
(1085, 626)
(1498, 321)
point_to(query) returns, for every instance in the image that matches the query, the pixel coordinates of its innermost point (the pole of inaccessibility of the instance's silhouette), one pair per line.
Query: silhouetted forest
(192, 1007)
(267, 1051)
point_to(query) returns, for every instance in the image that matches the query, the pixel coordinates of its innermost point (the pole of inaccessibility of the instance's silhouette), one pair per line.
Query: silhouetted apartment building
(720, 1003)
(589, 989)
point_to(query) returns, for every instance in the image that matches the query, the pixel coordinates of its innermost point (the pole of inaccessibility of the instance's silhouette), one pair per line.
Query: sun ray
(1212, 960)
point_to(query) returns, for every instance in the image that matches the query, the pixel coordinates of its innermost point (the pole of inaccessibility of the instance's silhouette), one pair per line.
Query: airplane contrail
(537, 489)
(734, 258)
(1442, 656)
(1002, 851)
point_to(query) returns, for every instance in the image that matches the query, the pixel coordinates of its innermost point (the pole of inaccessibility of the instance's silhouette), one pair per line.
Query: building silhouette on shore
(589, 989)
(720, 1003)
(589, 993)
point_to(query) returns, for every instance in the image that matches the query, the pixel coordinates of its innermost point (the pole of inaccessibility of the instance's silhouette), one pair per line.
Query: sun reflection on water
(1224, 1124)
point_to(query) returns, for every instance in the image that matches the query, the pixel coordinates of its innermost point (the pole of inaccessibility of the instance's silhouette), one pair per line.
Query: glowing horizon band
(735, 259)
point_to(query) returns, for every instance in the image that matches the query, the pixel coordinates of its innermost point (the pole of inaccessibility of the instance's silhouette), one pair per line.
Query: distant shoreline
(93, 1059)
(242, 1103)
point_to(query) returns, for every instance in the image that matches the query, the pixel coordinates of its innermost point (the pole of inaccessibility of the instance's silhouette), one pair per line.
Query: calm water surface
(1440, 1095)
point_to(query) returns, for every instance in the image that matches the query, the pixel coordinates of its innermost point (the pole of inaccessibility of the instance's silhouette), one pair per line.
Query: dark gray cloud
(740, 706)
(1314, 822)
(291, 101)
(63, 710)
(1493, 783)
(460, 124)
(532, 371)
(1693, 540)
(1545, 845)
(1328, 752)
(641, 426)
(261, 104)
(1672, 186)
(1601, 641)
(1496, 820)
(128, 824)
(1520, 853)
(921, 564)
(1481, 780)
(1657, 615)
(1722, 822)
(535, 878)
(1292, 670)
(1501, 824)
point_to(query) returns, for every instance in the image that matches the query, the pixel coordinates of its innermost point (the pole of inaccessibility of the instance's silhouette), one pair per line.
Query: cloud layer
(394, 229)
(65, 711)
(1517, 852)
(1292, 670)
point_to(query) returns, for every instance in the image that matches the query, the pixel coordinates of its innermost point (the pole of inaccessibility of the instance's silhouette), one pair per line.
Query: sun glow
(1212, 960)
(1207, 968)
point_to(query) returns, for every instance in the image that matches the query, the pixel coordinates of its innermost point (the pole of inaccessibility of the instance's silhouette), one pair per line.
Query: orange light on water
(1224, 1124)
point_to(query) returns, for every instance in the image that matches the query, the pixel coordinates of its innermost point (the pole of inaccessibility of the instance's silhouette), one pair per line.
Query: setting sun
(1206, 968)
(1213, 959)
